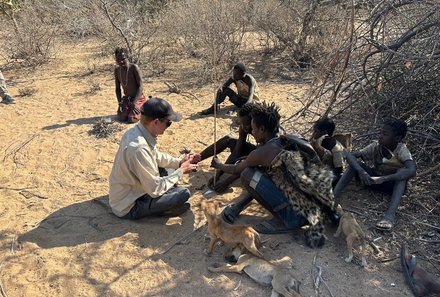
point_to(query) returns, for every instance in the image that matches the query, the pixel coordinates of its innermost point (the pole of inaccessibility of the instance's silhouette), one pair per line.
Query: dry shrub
(388, 67)
(34, 42)
(210, 31)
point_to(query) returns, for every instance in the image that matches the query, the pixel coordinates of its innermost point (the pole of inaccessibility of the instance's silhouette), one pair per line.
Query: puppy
(263, 272)
(352, 231)
(218, 229)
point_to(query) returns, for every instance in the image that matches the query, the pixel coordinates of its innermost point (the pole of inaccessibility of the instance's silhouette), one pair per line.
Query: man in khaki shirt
(136, 187)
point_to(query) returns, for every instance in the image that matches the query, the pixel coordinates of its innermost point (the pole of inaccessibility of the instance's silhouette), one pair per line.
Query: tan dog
(218, 229)
(263, 272)
(352, 231)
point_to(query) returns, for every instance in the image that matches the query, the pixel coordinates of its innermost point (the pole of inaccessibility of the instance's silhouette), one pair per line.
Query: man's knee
(182, 194)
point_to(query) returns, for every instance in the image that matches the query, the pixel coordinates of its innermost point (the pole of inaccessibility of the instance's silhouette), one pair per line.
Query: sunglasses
(168, 122)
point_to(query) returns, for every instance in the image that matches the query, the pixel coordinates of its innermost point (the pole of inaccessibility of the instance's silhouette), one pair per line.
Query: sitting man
(282, 176)
(4, 94)
(239, 148)
(129, 76)
(328, 148)
(393, 166)
(136, 188)
(247, 90)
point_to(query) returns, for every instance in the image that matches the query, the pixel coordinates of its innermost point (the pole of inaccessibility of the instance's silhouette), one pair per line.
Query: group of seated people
(297, 180)
(313, 169)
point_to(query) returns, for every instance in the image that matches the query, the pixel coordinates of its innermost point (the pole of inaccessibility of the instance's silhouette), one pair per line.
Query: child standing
(392, 167)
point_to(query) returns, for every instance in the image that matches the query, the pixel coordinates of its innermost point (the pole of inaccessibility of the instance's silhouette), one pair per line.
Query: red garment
(125, 111)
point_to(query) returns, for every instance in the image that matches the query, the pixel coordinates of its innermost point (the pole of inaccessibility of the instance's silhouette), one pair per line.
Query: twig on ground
(17, 189)
(2, 289)
(181, 239)
(318, 279)
(18, 148)
(428, 171)
(428, 241)
(28, 194)
(238, 286)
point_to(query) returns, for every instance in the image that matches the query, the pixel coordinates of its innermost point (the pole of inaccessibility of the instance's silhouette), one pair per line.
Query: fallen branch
(429, 170)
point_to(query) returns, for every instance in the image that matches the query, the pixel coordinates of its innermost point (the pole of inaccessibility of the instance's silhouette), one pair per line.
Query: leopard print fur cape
(308, 186)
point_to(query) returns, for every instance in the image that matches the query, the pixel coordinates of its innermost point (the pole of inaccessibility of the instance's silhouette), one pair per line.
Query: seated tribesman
(137, 188)
(128, 75)
(329, 149)
(284, 176)
(239, 148)
(393, 167)
(247, 90)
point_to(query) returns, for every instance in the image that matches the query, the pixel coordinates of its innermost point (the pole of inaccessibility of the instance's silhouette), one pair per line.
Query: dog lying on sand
(218, 229)
(263, 272)
(350, 227)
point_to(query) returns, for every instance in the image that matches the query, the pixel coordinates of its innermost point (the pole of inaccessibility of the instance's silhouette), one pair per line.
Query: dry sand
(58, 236)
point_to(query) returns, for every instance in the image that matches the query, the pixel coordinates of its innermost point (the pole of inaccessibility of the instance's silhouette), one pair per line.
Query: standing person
(4, 94)
(129, 77)
(247, 90)
(393, 167)
(136, 187)
(239, 148)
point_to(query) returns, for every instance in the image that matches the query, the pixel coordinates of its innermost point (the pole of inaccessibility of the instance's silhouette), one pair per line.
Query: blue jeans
(274, 201)
(176, 198)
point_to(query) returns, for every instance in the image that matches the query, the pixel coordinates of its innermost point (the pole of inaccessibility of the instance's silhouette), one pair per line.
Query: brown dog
(263, 272)
(352, 231)
(218, 229)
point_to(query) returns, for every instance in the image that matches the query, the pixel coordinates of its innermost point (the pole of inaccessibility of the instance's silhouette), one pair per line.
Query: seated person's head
(121, 54)
(265, 121)
(238, 71)
(157, 115)
(393, 131)
(323, 126)
(244, 117)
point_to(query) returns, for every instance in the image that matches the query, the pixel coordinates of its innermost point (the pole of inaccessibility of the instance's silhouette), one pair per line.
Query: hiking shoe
(8, 100)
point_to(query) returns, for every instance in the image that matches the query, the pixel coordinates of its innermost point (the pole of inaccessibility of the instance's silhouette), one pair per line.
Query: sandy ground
(58, 236)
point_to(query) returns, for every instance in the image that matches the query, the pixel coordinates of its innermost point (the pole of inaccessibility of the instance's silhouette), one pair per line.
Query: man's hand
(188, 167)
(215, 162)
(134, 107)
(194, 158)
(377, 180)
(365, 178)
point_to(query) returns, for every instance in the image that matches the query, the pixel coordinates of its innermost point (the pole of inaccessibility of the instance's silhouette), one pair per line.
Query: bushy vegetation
(367, 59)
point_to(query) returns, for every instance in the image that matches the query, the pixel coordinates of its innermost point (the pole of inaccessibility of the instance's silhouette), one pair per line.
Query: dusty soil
(59, 238)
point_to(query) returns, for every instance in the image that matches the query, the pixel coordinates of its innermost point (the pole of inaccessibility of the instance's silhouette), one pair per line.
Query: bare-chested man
(129, 77)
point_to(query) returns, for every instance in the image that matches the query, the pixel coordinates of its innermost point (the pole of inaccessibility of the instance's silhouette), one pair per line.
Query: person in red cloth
(129, 77)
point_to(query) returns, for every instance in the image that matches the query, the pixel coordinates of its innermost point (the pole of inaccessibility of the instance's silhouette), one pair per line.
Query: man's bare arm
(139, 83)
(405, 173)
(117, 86)
(261, 156)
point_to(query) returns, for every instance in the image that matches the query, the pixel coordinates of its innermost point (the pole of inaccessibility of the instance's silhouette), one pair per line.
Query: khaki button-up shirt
(136, 170)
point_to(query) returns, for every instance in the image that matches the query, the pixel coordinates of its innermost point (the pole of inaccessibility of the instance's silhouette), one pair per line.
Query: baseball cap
(158, 108)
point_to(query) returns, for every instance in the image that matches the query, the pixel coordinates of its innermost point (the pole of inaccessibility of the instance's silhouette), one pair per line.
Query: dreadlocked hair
(245, 110)
(267, 115)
